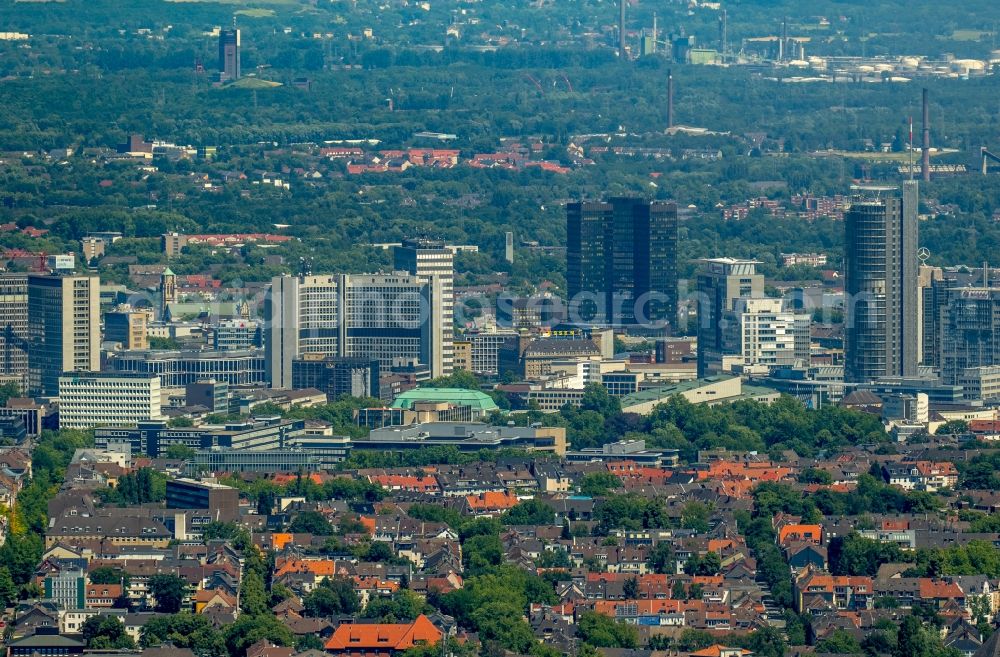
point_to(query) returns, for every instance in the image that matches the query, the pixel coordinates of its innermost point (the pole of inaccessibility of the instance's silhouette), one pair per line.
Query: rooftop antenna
(910, 156)
(926, 159)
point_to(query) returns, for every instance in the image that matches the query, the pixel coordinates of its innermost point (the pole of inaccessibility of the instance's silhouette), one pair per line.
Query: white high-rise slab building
(397, 318)
(764, 332)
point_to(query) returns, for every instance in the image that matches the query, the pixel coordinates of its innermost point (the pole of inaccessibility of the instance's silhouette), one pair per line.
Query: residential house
(928, 476)
(800, 533)
(382, 639)
(489, 504)
(102, 596)
(835, 591)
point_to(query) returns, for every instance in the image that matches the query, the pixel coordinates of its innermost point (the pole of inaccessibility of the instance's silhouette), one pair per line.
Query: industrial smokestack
(724, 33)
(925, 163)
(654, 32)
(670, 99)
(621, 28)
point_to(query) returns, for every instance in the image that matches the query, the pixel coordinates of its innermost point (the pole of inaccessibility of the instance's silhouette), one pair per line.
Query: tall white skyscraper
(14, 325)
(432, 259)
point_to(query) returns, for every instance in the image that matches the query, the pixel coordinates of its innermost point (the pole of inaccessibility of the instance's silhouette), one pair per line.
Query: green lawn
(253, 83)
(969, 35)
(255, 13)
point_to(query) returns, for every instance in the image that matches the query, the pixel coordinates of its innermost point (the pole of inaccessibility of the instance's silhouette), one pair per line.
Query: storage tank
(967, 65)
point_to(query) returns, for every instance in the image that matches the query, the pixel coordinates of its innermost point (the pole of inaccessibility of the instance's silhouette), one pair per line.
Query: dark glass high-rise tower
(229, 54)
(880, 257)
(621, 261)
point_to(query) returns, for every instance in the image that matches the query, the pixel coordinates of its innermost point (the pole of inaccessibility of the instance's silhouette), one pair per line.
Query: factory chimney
(783, 43)
(621, 28)
(724, 33)
(925, 164)
(654, 32)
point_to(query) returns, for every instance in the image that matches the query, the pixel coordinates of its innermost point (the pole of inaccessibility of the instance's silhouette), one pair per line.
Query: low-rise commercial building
(155, 437)
(222, 501)
(630, 450)
(128, 328)
(179, 368)
(337, 376)
(480, 403)
(252, 460)
(471, 437)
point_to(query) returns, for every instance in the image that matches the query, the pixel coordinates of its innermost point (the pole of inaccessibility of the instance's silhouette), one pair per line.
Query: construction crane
(987, 156)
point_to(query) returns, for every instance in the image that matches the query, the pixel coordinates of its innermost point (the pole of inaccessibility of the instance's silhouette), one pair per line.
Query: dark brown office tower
(229, 54)
(622, 262)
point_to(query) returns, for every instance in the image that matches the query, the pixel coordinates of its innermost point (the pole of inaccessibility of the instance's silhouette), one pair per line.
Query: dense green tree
(253, 596)
(953, 428)
(435, 513)
(595, 484)
(248, 630)
(630, 511)
(503, 624)
(708, 564)
(109, 575)
(8, 390)
(169, 591)
(661, 558)
(839, 642)
(179, 451)
(8, 589)
(305, 642)
(183, 630)
(458, 379)
(854, 555)
(402, 606)
(815, 476)
(334, 596)
(106, 633)
(694, 516)
(529, 512)
(482, 553)
(604, 632)
(311, 522)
